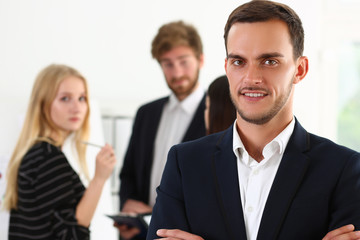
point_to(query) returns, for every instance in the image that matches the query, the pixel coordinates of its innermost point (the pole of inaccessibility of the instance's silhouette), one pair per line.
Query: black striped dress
(49, 191)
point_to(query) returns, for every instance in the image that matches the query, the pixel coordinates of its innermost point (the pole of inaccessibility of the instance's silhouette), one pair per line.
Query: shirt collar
(279, 143)
(190, 103)
(283, 138)
(238, 146)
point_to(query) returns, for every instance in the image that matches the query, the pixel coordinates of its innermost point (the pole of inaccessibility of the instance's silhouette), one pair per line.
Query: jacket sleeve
(128, 171)
(346, 199)
(169, 210)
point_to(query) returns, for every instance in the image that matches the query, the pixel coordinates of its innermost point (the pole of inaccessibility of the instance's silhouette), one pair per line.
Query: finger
(107, 149)
(347, 236)
(120, 227)
(104, 152)
(106, 155)
(110, 164)
(110, 150)
(112, 161)
(111, 155)
(129, 233)
(178, 234)
(345, 229)
(352, 236)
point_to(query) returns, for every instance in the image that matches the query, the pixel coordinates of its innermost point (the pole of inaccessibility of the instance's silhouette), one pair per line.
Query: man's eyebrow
(178, 58)
(270, 55)
(234, 56)
(261, 56)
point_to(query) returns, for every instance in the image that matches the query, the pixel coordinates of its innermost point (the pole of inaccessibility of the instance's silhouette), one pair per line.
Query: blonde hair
(38, 125)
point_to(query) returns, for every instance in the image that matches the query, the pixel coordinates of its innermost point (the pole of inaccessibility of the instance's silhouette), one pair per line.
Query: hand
(134, 206)
(105, 162)
(344, 233)
(127, 232)
(176, 234)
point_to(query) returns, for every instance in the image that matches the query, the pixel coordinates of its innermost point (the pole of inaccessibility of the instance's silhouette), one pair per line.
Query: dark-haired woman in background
(220, 112)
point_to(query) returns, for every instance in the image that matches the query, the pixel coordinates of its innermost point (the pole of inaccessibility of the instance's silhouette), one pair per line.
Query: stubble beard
(186, 91)
(266, 116)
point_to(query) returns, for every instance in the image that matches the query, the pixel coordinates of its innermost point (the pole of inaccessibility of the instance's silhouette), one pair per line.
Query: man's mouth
(180, 79)
(254, 94)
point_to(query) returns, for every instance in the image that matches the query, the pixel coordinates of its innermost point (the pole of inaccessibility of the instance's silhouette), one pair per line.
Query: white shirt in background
(175, 120)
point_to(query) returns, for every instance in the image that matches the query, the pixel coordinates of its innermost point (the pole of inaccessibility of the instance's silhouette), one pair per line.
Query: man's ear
(302, 68)
(201, 60)
(225, 65)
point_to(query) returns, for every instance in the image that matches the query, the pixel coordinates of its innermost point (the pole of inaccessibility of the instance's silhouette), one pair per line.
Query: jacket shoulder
(208, 142)
(154, 104)
(328, 147)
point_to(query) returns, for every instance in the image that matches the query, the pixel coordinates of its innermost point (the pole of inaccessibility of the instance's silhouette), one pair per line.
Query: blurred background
(109, 42)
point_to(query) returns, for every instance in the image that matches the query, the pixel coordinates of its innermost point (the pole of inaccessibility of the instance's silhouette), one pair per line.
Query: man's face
(261, 70)
(181, 70)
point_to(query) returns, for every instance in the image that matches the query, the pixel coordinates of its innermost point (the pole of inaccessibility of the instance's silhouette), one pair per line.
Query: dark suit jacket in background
(316, 189)
(136, 171)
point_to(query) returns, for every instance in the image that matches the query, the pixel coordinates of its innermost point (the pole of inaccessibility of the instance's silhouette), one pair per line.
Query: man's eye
(167, 65)
(184, 63)
(238, 62)
(270, 62)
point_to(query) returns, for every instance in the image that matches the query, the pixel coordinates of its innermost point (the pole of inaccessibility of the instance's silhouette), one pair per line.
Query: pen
(91, 144)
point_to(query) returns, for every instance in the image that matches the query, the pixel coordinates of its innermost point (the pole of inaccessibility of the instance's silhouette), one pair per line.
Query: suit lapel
(153, 124)
(286, 183)
(227, 187)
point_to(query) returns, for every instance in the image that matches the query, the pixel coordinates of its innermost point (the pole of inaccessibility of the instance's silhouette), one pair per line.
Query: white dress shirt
(256, 178)
(175, 120)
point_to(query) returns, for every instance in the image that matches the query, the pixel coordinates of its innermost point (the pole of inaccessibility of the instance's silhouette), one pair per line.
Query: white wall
(109, 42)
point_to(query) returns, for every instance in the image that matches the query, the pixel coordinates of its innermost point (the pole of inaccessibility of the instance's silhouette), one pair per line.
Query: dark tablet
(131, 220)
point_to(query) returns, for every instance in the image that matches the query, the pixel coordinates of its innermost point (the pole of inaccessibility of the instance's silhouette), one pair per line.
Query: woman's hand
(105, 162)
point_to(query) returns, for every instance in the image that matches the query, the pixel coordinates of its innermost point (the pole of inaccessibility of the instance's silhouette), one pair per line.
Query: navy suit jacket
(316, 189)
(136, 171)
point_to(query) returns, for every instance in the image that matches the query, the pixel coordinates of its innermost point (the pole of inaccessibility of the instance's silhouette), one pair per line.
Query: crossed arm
(343, 233)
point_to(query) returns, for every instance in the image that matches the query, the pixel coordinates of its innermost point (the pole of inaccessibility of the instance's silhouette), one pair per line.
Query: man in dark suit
(265, 177)
(164, 122)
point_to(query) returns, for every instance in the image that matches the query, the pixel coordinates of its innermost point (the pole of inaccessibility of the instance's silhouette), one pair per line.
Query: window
(348, 124)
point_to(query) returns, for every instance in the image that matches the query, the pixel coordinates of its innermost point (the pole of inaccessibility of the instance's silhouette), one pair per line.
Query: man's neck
(256, 137)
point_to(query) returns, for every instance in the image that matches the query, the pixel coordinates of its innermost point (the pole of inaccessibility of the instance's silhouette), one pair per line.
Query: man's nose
(253, 74)
(178, 71)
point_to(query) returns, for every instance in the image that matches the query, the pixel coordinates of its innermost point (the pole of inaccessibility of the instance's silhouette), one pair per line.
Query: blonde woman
(44, 195)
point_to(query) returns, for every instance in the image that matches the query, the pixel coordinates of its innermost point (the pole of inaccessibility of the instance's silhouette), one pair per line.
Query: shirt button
(250, 209)
(256, 172)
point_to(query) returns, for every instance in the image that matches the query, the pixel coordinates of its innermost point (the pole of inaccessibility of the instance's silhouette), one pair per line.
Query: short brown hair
(261, 11)
(176, 34)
